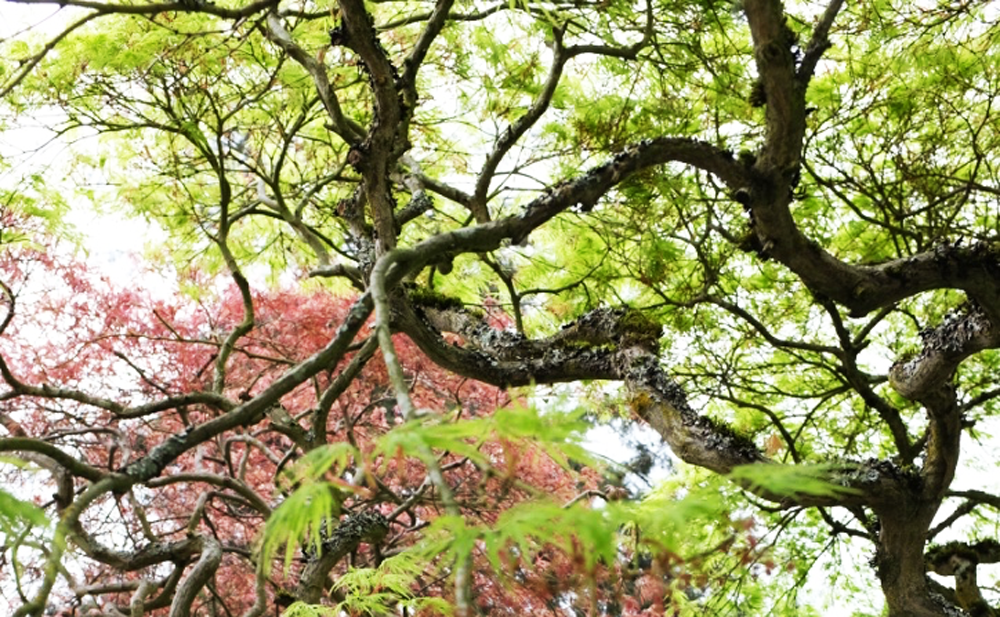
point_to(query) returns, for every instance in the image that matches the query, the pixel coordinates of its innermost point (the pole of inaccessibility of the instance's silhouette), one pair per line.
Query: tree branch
(366, 526)
(201, 573)
(348, 130)
(819, 42)
(514, 132)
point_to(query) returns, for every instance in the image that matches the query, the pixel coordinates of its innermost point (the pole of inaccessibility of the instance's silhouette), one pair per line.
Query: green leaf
(790, 479)
(331, 458)
(298, 521)
(301, 609)
(380, 590)
(16, 513)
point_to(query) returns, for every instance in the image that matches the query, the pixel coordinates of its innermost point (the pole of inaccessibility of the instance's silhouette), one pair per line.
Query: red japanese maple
(83, 354)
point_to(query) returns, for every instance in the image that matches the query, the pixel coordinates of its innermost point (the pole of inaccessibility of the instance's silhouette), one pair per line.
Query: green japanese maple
(766, 231)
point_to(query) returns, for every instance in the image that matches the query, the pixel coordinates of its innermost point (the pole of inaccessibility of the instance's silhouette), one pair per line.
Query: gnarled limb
(201, 573)
(960, 560)
(612, 345)
(367, 526)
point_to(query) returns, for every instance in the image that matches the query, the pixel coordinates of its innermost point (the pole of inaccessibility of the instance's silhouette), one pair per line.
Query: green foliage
(330, 458)
(558, 436)
(299, 521)
(16, 514)
(303, 515)
(791, 480)
(301, 609)
(388, 587)
(587, 534)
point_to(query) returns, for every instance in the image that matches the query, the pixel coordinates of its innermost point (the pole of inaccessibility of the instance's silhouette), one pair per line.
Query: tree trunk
(899, 560)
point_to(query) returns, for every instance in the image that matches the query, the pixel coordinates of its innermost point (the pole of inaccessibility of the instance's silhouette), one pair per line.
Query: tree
(771, 225)
(226, 487)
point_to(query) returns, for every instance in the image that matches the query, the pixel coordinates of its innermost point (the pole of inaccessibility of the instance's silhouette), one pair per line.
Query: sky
(113, 242)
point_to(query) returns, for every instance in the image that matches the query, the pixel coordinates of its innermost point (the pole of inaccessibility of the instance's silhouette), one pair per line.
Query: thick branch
(963, 333)
(377, 154)
(860, 288)
(152, 554)
(927, 378)
(201, 573)
(367, 526)
(74, 466)
(960, 560)
(137, 605)
(613, 345)
(772, 41)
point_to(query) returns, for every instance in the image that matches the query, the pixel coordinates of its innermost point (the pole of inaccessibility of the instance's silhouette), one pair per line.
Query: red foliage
(75, 329)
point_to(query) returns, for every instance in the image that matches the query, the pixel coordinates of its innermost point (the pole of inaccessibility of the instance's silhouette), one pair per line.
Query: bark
(367, 526)
(605, 344)
(619, 345)
(961, 560)
(201, 573)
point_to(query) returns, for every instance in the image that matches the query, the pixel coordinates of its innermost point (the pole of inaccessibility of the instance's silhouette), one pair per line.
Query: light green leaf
(298, 521)
(790, 479)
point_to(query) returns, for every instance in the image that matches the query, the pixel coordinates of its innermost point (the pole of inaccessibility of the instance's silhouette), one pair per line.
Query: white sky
(113, 242)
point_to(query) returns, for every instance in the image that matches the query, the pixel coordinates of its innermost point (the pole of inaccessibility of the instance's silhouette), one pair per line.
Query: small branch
(19, 388)
(415, 59)
(965, 508)
(242, 328)
(300, 228)
(453, 17)
(351, 273)
(383, 330)
(507, 139)
(625, 53)
(585, 495)
(74, 466)
(137, 604)
(819, 42)
(979, 497)
(70, 519)
(162, 7)
(31, 63)
(445, 190)
(339, 386)
(347, 129)
(260, 596)
(11, 303)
